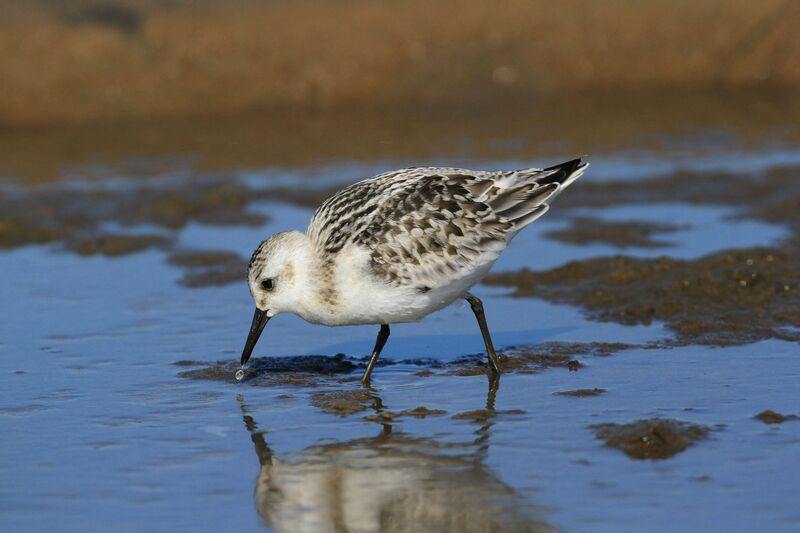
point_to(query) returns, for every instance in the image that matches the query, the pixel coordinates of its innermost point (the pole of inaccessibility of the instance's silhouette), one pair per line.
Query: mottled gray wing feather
(429, 226)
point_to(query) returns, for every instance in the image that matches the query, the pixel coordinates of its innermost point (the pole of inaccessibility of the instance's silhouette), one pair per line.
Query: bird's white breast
(360, 297)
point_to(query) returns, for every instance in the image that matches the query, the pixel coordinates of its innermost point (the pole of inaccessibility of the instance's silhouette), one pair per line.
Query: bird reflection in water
(391, 482)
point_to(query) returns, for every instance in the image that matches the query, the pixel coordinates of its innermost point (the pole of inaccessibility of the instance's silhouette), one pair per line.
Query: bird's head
(272, 277)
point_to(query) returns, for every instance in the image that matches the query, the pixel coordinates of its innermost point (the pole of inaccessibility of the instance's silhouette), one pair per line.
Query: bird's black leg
(477, 308)
(383, 335)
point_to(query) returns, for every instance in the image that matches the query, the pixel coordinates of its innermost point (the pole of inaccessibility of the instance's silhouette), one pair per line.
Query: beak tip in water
(260, 319)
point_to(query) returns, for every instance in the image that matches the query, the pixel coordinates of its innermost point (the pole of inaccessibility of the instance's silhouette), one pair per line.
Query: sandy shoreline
(92, 62)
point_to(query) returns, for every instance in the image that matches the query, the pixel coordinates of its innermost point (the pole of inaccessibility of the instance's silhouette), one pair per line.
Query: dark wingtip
(569, 167)
(562, 171)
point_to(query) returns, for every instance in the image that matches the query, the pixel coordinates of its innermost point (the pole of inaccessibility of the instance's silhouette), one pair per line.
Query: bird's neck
(311, 273)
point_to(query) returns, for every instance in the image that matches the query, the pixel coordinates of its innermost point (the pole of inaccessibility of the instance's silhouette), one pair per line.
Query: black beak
(260, 320)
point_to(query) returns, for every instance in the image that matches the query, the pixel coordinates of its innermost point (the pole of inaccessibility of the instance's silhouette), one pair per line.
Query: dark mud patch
(114, 245)
(186, 362)
(482, 415)
(15, 233)
(535, 358)
(773, 417)
(302, 370)
(343, 402)
(385, 417)
(310, 198)
(422, 412)
(209, 267)
(314, 370)
(731, 297)
(581, 392)
(654, 439)
(626, 234)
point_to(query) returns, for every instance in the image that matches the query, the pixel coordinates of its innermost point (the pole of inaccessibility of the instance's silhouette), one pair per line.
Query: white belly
(363, 299)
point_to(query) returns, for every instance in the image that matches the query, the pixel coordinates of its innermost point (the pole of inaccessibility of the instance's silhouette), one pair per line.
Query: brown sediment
(214, 277)
(534, 358)
(382, 417)
(422, 412)
(209, 267)
(482, 415)
(655, 438)
(475, 415)
(773, 417)
(626, 234)
(15, 233)
(115, 245)
(581, 392)
(202, 258)
(342, 402)
(144, 58)
(219, 204)
(186, 362)
(731, 297)
(418, 412)
(311, 198)
(303, 370)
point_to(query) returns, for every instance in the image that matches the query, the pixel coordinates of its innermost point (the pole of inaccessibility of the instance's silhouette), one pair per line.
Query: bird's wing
(427, 227)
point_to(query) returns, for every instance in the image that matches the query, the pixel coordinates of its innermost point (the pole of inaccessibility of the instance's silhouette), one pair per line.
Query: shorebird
(398, 246)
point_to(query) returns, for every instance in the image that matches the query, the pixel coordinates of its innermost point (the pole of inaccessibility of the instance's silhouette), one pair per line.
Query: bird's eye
(267, 284)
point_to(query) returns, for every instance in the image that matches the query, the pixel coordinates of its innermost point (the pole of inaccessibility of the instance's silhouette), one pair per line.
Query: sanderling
(399, 246)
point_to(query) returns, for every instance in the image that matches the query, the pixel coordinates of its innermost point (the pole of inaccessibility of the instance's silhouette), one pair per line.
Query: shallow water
(100, 427)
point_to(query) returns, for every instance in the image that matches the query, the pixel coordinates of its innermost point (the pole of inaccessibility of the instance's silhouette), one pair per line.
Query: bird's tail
(532, 191)
(563, 174)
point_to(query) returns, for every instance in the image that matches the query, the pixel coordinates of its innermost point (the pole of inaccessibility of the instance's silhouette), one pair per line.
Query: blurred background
(88, 60)
(262, 82)
(147, 146)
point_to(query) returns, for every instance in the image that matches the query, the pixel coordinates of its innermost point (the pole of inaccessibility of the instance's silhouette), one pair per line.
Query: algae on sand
(769, 416)
(655, 439)
(580, 393)
(624, 234)
(731, 297)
